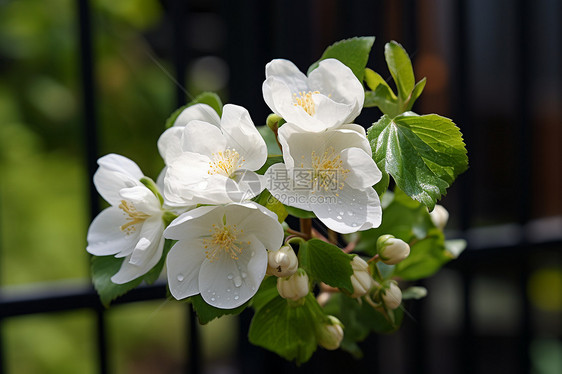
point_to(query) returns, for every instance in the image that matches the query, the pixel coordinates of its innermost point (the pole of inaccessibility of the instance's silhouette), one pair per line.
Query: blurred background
(494, 67)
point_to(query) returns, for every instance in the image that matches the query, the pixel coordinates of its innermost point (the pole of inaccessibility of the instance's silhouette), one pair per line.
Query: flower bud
(283, 262)
(330, 335)
(361, 278)
(293, 287)
(392, 296)
(439, 216)
(392, 250)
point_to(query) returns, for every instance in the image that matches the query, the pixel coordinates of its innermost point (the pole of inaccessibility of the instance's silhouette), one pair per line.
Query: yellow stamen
(223, 240)
(225, 163)
(329, 172)
(134, 217)
(304, 100)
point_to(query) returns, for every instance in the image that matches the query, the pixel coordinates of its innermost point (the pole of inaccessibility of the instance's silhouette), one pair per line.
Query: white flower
(221, 252)
(439, 216)
(330, 96)
(329, 335)
(392, 250)
(361, 278)
(132, 227)
(294, 287)
(329, 173)
(392, 296)
(283, 262)
(210, 163)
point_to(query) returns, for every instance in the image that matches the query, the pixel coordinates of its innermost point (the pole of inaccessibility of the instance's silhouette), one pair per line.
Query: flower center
(329, 173)
(134, 217)
(225, 163)
(223, 239)
(304, 100)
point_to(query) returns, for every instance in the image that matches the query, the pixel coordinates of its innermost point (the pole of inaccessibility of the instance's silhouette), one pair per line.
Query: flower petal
(349, 211)
(288, 73)
(105, 236)
(277, 95)
(195, 223)
(109, 182)
(335, 80)
(203, 138)
(201, 112)
(363, 171)
(146, 254)
(280, 183)
(241, 135)
(264, 226)
(228, 283)
(120, 164)
(183, 265)
(186, 173)
(142, 199)
(169, 144)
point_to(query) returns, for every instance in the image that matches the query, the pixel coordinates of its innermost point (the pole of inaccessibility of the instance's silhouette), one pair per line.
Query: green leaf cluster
(283, 327)
(423, 154)
(381, 95)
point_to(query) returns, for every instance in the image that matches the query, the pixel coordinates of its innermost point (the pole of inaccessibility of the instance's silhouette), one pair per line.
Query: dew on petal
(339, 217)
(350, 213)
(180, 278)
(236, 297)
(228, 290)
(244, 275)
(213, 299)
(230, 276)
(237, 281)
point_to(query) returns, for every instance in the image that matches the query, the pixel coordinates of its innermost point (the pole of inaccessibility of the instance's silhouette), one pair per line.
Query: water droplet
(244, 275)
(354, 224)
(236, 297)
(253, 288)
(228, 290)
(353, 199)
(350, 213)
(237, 281)
(339, 217)
(341, 213)
(329, 209)
(213, 299)
(180, 278)
(230, 276)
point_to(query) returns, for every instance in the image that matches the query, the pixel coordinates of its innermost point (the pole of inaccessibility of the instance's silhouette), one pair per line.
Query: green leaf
(209, 98)
(326, 263)
(287, 330)
(418, 89)
(299, 213)
(352, 52)
(103, 268)
(206, 313)
(426, 257)
(266, 293)
(270, 141)
(374, 79)
(271, 160)
(266, 199)
(400, 68)
(423, 154)
(404, 218)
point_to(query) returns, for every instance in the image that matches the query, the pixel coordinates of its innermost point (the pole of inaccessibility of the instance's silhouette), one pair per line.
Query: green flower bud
(439, 216)
(294, 287)
(392, 250)
(283, 262)
(392, 296)
(361, 278)
(329, 335)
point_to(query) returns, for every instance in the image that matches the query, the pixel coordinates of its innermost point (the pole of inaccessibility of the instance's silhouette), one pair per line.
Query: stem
(295, 232)
(350, 246)
(333, 236)
(306, 227)
(275, 131)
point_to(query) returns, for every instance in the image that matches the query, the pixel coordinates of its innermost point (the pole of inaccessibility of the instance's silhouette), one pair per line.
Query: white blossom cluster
(209, 179)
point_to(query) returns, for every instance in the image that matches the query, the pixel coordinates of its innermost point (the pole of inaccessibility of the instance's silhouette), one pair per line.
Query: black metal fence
(457, 42)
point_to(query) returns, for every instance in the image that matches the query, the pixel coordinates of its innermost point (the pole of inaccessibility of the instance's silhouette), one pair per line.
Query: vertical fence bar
(91, 143)
(179, 11)
(461, 107)
(524, 14)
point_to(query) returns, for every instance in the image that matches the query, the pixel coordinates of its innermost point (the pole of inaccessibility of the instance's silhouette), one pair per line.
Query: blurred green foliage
(43, 182)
